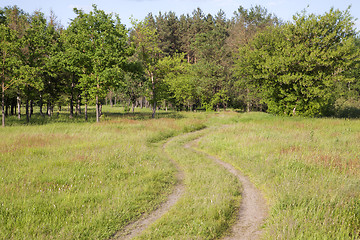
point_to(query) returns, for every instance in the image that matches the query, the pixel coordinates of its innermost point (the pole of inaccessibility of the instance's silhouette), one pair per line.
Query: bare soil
(136, 228)
(251, 215)
(253, 208)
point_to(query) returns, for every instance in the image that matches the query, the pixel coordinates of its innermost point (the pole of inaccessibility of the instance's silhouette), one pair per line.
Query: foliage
(103, 42)
(305, 67)
(299, 64)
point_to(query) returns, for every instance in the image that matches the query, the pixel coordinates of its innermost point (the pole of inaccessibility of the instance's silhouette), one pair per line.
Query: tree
(180, 81)
(8, 44)
(35, 53)
(167, 27)
(102, 42)
(148, 52)
(299, 64)
(212, 60)
(18, 21)
(244, 25)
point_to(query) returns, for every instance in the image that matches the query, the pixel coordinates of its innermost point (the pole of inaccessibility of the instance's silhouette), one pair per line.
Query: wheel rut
(251, 215)
(253, 208)
(136, 228)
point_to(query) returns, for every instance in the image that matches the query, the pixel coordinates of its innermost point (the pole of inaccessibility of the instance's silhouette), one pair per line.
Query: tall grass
(67, 180)
(308, 168)
(208, 206)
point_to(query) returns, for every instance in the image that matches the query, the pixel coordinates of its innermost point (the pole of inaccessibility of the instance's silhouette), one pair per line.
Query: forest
(252, 61)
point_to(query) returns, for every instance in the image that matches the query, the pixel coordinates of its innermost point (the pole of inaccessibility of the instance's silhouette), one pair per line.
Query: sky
(138, 9)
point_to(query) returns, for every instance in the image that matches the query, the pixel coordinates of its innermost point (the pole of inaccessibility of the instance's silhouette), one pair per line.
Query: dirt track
(253, 208)
(251, 215)
(135, 228)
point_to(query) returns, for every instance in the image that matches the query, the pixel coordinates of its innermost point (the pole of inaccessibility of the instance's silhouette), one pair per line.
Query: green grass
(308, 168)
(63, 178)
(68, 179)
(209, 204)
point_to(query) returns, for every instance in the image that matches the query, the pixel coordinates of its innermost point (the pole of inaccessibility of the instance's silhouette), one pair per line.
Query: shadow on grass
(349, 112)
(64, 117)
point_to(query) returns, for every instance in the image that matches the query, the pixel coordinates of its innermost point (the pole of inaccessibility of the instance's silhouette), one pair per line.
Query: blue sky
(284, 9)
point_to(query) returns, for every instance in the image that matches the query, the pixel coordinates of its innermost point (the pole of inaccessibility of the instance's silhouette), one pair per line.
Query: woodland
(252, 61)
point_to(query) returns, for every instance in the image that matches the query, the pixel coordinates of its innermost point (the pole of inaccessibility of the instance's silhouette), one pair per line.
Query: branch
(9, 85)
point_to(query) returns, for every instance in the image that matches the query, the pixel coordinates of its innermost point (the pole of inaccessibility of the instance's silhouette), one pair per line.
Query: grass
(64, 178)
(68, 179)
(308, 168)
(209, 204)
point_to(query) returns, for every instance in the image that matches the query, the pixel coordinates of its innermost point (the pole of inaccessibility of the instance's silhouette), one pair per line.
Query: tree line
(252, 61)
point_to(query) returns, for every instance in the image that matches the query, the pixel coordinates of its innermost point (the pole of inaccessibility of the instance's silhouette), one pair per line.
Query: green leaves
(102, 44)
(299, 65)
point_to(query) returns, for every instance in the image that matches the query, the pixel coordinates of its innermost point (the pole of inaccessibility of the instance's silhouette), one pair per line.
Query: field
(68, 179)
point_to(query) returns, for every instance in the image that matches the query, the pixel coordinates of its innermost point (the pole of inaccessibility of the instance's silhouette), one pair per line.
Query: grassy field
(64, 178)
(71, 180)
(309, 170)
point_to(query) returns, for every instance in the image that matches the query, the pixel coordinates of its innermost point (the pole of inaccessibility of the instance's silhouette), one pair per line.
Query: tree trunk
(115, 101)
(153, 110)
(72, 96)
(79, 104)
(142, 102)
(153, 95)
(111, 100)
(18, 101)
(31, 108)
(71, 106)
(27, 111)
(97, 109)
(86, 111)
(41, 105)
(247, 100)
(12, 109)
(100, 109)
(3, 102)
(48, 109)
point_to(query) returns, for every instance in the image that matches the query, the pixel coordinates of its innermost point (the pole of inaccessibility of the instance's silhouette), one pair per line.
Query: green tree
(298, 65)
(8, 63)
(36, 43)
(146, 42)
(180, 81)
(213, 65)
(244, 25)
(103, 43)
(18, 21)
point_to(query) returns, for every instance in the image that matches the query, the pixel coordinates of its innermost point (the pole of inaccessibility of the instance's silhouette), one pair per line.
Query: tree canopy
(251, 61)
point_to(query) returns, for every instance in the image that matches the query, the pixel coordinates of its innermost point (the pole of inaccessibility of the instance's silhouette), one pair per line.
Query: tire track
(136, 228)
(251, 215)
(253, 208)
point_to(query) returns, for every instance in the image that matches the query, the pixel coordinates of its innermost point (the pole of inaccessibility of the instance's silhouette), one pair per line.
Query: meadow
(65, 178)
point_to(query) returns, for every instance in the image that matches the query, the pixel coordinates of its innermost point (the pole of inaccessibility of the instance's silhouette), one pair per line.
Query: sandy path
(134, 229)
(251, 215)
(253, 209)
